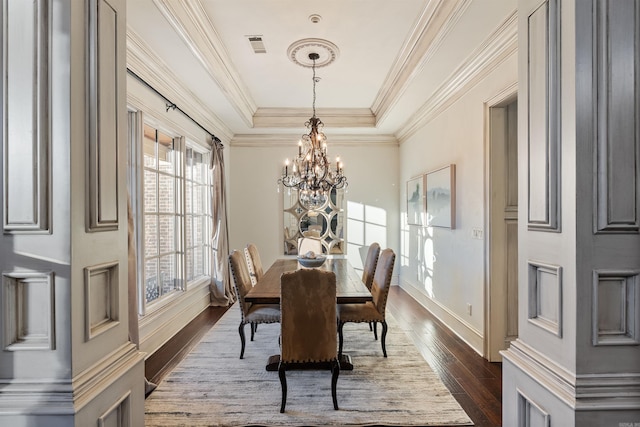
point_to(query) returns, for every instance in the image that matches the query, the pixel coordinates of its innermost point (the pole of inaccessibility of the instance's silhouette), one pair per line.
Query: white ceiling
(395, 58)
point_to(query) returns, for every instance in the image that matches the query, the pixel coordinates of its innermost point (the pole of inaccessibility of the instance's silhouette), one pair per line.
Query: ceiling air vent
(257, 44)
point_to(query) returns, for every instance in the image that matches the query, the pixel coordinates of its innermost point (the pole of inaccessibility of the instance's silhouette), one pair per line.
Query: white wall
(255, 206)
(451, 272)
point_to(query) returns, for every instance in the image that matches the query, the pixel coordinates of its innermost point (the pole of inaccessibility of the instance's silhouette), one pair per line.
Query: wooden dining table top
(349, 285)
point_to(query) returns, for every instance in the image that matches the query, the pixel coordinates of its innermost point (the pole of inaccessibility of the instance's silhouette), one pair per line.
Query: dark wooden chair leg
(241, 331)
(283, 384)
(253, 330)
(335, 371)
(340, 340)
(371, 326)
(375, 330)
(384, 337)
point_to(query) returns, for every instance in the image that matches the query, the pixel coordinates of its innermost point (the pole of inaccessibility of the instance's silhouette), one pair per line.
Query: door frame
(492, 327)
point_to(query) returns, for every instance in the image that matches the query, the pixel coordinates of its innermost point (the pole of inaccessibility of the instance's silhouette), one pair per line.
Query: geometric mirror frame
(325, 222)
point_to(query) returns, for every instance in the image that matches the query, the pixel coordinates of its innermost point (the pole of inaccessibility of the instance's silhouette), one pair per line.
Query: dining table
(349, 290)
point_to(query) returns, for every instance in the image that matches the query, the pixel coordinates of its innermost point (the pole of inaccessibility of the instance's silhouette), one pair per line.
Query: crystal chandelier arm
(311, 171)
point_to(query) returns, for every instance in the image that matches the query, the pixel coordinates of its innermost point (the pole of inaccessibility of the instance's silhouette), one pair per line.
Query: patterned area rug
(213, 387)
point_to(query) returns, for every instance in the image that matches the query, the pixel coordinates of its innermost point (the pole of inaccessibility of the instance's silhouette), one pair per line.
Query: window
(171, 193)
(161, 215)
(198, 217)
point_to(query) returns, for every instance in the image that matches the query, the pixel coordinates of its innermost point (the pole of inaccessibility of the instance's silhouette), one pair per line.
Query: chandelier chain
(311, 173)
(314, 86)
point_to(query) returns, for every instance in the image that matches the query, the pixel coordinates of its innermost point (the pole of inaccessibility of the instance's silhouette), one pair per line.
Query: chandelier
(311, 172)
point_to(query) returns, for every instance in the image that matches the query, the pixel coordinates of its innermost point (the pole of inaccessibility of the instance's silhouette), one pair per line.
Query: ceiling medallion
(299, 52)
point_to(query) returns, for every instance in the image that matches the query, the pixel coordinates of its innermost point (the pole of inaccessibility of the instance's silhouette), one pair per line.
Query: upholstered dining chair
(308, 325)
(370, 264)
(306, 244)
(371, 311)
(254, 263)
(251, 314)
(369, 270)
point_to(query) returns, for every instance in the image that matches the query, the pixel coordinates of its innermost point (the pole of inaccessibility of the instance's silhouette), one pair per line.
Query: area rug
(213, 387)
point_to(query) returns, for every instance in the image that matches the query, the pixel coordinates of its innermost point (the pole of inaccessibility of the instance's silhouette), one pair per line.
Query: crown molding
(435, 22)
(289, 140)
(500, 45)
(331, 117)
(143, 61)
(189, 19)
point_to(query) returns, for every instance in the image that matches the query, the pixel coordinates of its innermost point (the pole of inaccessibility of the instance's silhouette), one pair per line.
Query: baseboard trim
(585, 392)
(159, 327)
(462, 329)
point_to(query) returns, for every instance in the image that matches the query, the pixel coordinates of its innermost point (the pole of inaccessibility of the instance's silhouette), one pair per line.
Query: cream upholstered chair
(254, 263)
(252, 314)
(308, 330)
(372, 311)
(306, 244)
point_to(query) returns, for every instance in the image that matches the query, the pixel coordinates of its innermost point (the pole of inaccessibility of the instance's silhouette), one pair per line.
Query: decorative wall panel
(530, 414)
(28, 311)
(616, 308)
(118, 415)
(617, 85)
(26, 91)
(102, 117)
(543, 130)
(512, 280)
(545, 297)
(101, 298)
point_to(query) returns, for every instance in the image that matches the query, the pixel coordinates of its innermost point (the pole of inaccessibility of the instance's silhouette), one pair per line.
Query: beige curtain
(222, 293)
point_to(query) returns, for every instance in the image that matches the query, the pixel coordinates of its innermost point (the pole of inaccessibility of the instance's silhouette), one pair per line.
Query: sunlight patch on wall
(405, 237)
(428, 261)
(366, 224)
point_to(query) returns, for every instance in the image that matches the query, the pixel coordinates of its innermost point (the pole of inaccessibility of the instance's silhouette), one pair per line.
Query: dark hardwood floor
(475, 383)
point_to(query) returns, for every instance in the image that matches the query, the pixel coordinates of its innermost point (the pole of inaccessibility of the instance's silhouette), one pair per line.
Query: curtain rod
(171, 105)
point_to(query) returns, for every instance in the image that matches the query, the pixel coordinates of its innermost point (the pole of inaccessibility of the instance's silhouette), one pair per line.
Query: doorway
(501, 322)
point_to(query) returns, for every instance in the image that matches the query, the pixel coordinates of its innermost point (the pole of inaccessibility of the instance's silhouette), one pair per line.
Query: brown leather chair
(370, 264)
(252, 314)
(369, 270)
(254, 263)
(308, 336)
(372, 311)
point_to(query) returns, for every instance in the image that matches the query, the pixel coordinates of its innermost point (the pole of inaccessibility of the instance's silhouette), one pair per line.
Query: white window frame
(136, 182)
(207, 213)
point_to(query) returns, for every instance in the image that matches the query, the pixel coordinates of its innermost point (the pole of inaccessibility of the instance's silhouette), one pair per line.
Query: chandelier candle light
(312, 173)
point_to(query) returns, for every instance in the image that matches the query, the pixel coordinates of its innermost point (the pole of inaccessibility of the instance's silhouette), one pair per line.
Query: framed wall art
(415, 200)
(441, 197)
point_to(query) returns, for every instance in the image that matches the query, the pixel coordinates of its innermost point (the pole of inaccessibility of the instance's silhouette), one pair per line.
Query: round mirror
(313, 224)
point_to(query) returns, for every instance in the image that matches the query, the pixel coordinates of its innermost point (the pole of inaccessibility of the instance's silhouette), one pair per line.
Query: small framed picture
(441, 197)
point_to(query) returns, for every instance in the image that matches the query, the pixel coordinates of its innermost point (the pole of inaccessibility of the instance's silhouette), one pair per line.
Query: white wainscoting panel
(26, 40)
(617, 76)
(545, 296)
(543, 117)
(530, 414)
(101, 298)
(616, 307)
(512, 279)
(118, 415)
(28, 312)
(103, 26)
